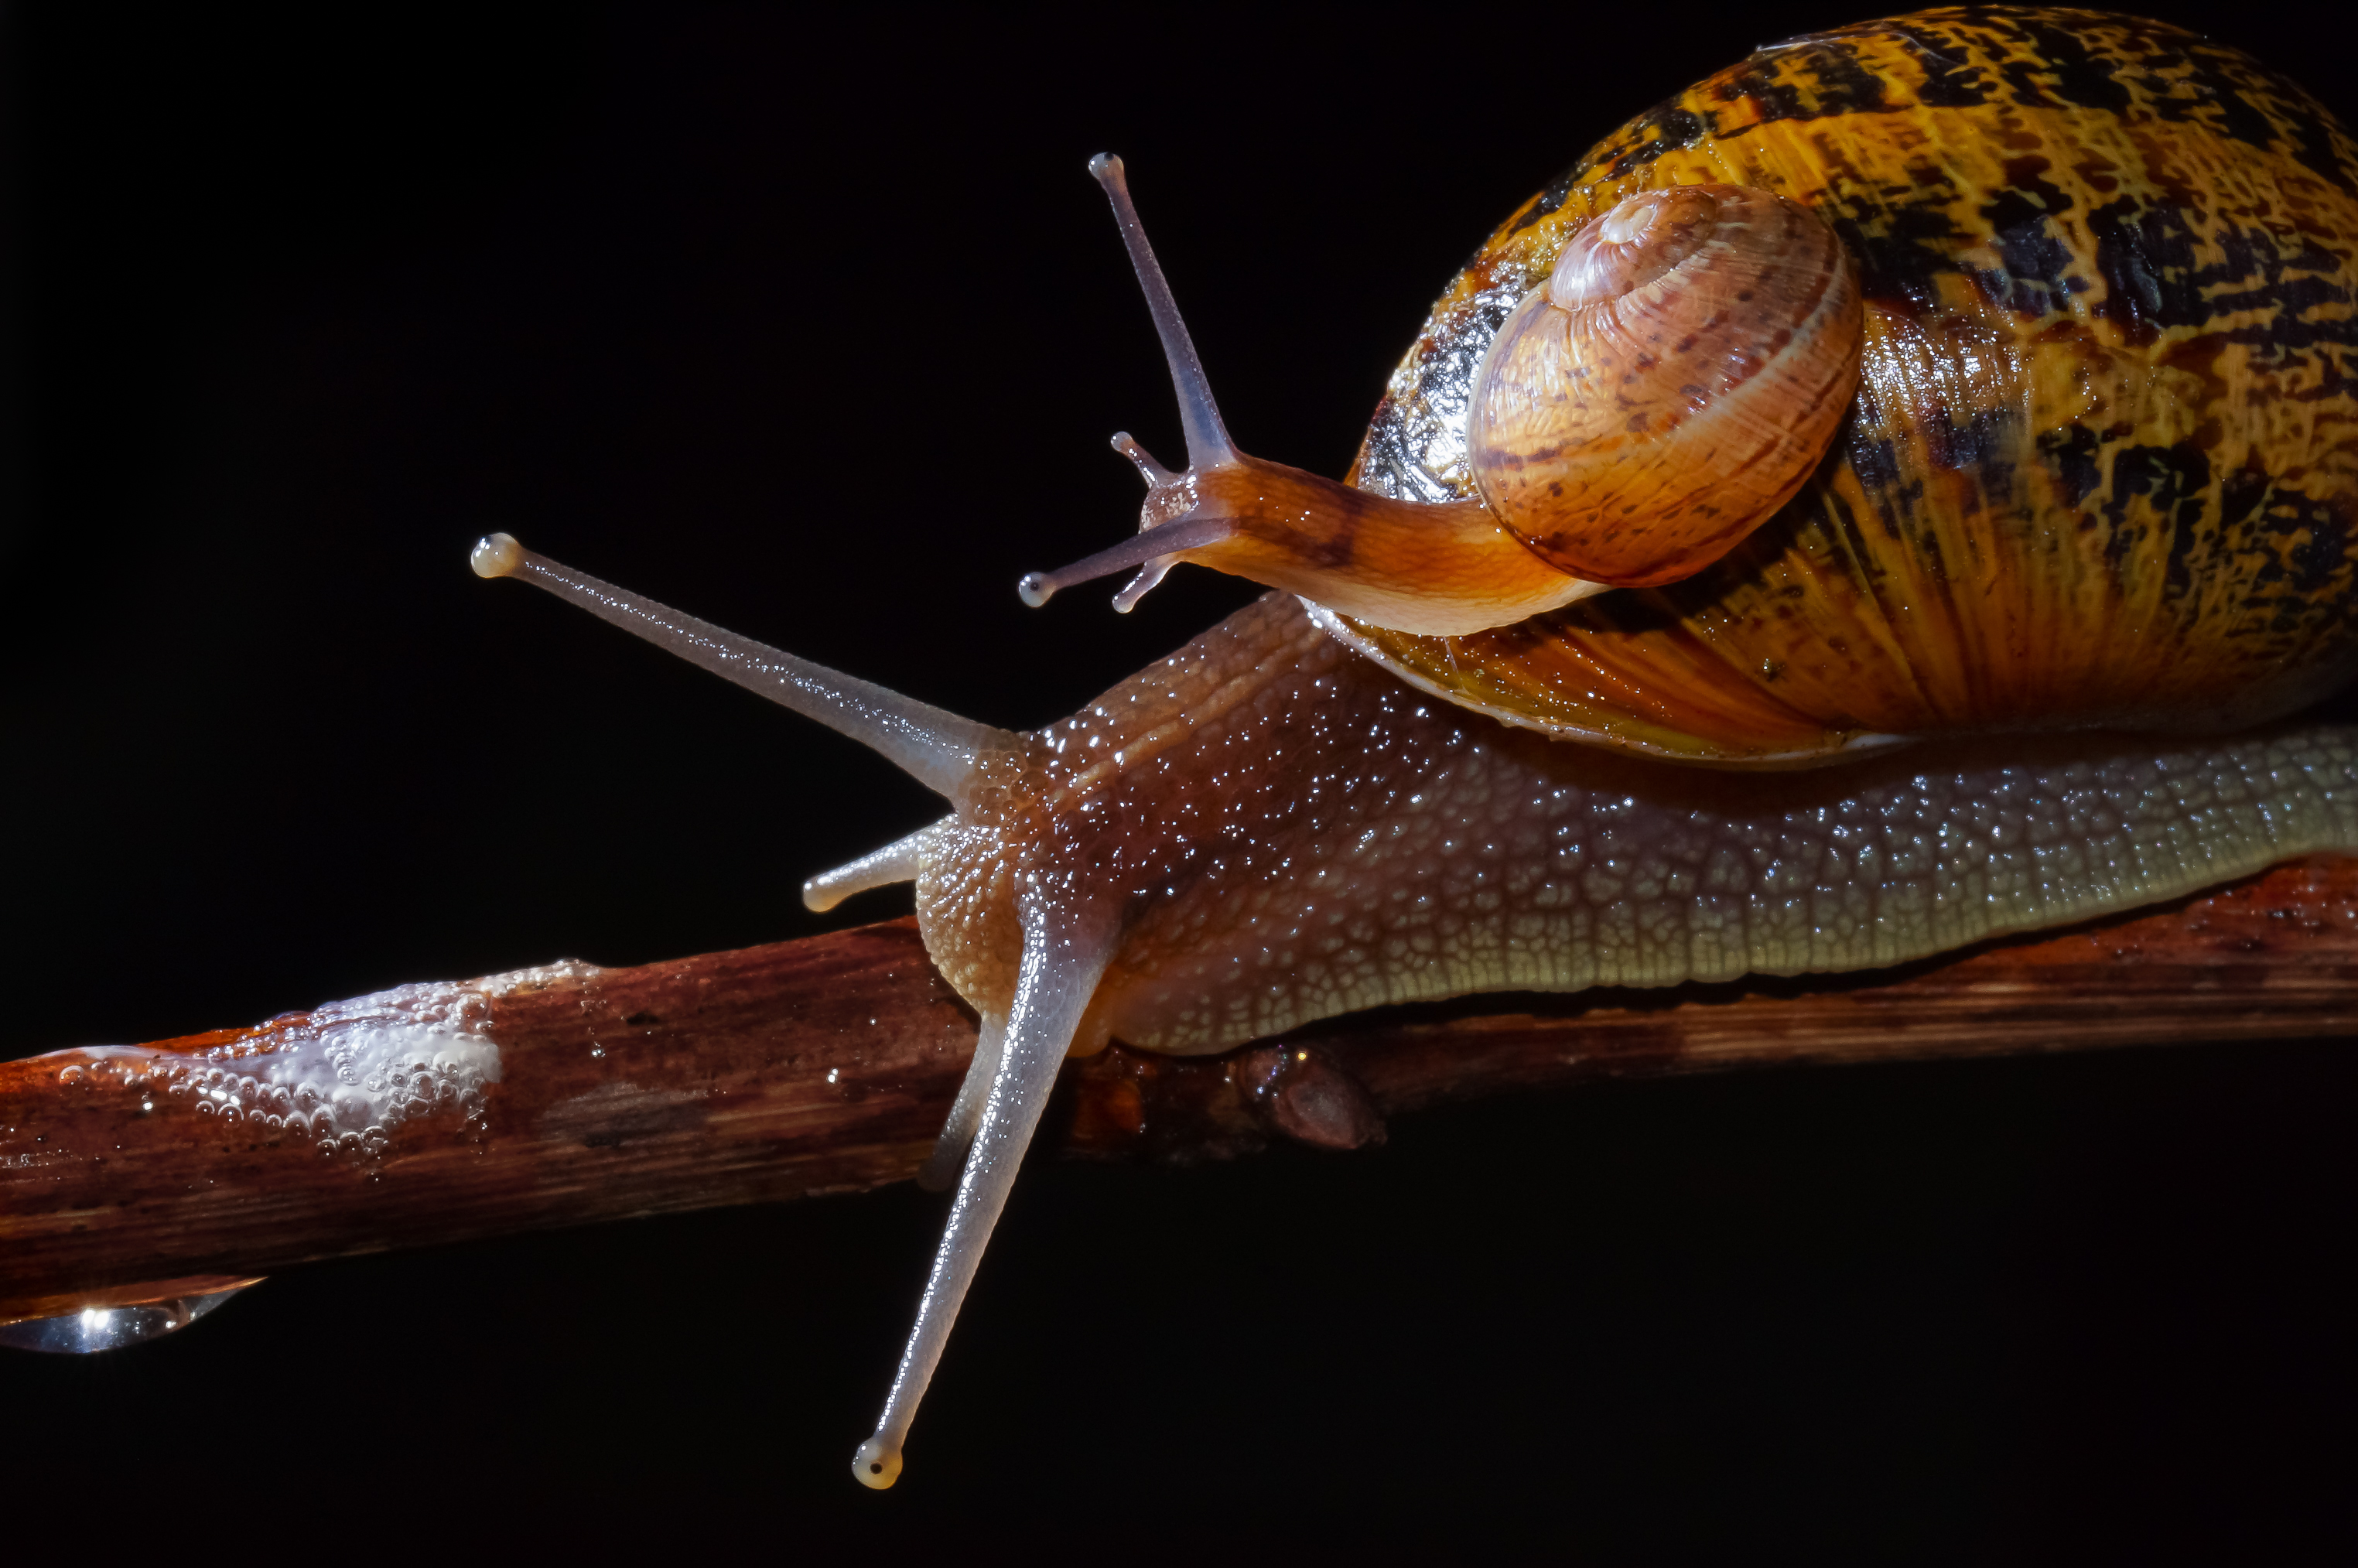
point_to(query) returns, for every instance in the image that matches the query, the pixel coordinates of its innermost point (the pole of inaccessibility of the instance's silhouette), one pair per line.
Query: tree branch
(826, 1065)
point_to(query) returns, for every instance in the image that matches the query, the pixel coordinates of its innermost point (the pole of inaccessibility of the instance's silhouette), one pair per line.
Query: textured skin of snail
(2099, 472)
(2102, 467)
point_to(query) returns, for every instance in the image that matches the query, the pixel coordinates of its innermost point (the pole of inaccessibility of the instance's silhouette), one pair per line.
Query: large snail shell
(2103, 466)
(1670, 387)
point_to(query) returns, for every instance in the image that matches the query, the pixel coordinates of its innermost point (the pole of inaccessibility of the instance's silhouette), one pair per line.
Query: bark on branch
(826, 1065)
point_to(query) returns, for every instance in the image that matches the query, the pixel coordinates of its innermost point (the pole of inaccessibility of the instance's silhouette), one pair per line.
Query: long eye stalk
(1207, 439)
(935, 748)
(1064, 952)
(1153, 550)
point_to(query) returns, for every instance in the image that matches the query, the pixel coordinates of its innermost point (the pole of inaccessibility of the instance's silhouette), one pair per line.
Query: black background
(817, 330)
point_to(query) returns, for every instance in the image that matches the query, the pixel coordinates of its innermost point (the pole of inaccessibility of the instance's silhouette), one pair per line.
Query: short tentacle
(935, 748)
(1063, 959)
(899, 862)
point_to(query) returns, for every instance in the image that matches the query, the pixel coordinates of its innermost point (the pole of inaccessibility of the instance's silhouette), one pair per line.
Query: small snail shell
(1670, 385)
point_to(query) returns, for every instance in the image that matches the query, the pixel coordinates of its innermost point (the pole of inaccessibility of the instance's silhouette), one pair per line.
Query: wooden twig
(826, 1064)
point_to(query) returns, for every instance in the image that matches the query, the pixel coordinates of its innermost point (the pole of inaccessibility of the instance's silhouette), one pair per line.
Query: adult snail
(2067, 503)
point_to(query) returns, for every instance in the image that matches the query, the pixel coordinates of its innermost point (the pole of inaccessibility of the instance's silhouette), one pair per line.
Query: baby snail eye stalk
(1667, 388)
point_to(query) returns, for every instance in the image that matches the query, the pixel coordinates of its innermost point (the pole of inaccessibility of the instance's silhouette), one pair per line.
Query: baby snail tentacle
(1672, 384)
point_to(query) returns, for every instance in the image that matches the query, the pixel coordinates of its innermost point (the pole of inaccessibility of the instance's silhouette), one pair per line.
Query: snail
(1955, 485)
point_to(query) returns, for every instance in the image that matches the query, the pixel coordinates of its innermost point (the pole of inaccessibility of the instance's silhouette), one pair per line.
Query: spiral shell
(2102, 465)
(1670, 387)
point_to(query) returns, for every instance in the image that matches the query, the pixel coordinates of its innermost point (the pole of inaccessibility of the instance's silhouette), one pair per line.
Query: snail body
(1289, 834)
(1932, 578)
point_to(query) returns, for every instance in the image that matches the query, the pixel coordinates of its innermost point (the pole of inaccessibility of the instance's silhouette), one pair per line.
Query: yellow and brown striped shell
(2103, 466)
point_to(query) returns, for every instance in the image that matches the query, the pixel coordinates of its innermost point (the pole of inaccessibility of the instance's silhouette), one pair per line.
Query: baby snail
(1880, 499)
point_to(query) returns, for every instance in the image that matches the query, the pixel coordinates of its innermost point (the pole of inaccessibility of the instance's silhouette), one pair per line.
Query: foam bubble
(368, 1065)
(346, 1072)
(342, 1076)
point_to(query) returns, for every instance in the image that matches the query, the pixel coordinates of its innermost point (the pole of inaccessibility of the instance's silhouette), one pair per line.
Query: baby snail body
(1958, 410)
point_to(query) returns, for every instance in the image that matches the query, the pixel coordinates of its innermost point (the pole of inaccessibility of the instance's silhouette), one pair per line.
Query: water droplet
(146, 1108)
(597, 1050)
(99, 1328)
(833, 1074)
(69, 1076)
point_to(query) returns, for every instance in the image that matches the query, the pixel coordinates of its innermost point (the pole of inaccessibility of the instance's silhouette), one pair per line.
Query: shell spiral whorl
(1670, 387)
